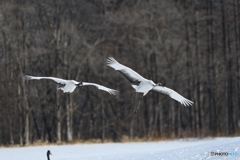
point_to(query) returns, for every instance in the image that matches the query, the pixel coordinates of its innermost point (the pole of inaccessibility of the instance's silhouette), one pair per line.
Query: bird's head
(158, 84)
(48, 153)
(80, 84)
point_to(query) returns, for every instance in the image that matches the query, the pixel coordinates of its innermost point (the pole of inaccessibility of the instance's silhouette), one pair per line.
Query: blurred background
(191, 46)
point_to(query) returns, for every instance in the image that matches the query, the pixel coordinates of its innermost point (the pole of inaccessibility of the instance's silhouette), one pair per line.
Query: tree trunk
(188, 68)
(69, 120)
(179, 129)
(209, 62)
(20, 109)
(197, 80)
(103, 121)
(229, 79)
(131, 129)
(160, 119)
(226, 67)
(237, 39)
(57, 57)
(26, 127)
(7, 83)
(58, 126)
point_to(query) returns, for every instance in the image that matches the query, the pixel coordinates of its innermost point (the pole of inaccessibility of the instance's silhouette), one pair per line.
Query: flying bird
(70, 85)
(142, 85)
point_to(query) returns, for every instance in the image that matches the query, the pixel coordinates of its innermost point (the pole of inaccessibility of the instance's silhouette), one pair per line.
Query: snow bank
(165, 150)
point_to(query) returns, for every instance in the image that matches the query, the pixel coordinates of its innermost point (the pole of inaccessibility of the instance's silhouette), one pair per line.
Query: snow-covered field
(173, 150)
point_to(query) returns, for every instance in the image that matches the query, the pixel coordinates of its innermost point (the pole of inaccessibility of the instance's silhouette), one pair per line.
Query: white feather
(57, 80)
(130, 74)
(174, 95)
(110, 91)
(145, 85)
(71, 85)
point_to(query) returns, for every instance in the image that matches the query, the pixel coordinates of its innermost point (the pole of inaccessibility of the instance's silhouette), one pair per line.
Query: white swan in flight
(143, 85)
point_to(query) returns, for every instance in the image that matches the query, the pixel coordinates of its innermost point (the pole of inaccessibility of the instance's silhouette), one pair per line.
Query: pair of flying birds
(143, 85)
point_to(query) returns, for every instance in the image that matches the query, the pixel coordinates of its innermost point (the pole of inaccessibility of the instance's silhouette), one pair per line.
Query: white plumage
(142, 85)
(70, 85)
(100, 87)
(174, 95)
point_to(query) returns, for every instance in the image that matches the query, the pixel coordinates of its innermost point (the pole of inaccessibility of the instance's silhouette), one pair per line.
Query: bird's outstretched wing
(128, 73)
(110, 91)
(56, 80)
(174, 95)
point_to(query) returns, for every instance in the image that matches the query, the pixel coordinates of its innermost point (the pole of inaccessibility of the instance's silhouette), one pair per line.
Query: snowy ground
(167, 150)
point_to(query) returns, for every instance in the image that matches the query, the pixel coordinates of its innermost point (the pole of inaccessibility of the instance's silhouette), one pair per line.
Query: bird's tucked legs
(128, 99)
(137, 106)
(60, 101)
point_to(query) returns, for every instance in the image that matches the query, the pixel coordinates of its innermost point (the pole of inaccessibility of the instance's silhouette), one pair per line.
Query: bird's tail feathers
(134, 86)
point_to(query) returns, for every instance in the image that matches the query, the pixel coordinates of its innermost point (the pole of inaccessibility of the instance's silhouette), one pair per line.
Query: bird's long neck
(48, 157)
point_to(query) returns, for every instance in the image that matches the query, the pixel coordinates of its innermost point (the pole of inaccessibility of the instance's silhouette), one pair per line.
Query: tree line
(189, 46)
